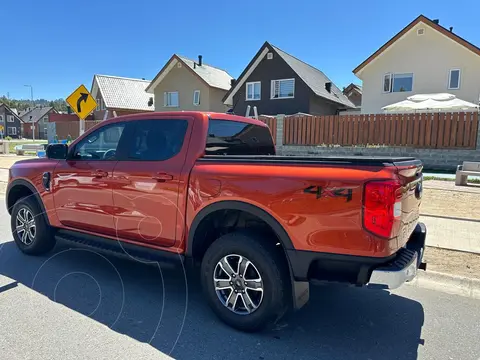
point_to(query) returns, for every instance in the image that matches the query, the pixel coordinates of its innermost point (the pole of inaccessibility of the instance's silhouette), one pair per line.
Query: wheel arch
(253, 210)
(20, 188)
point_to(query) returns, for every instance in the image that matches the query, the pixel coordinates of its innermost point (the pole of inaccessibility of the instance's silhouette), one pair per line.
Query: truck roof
(194, 114)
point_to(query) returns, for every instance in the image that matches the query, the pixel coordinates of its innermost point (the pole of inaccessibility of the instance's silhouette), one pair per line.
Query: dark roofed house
(10, 123)
(279, 83)
(354, 94)
(37, 116)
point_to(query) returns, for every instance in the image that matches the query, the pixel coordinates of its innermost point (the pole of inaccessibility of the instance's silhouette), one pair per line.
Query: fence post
(279, 137)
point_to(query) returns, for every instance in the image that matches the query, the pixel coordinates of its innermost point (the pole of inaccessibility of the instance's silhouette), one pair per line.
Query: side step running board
(120, 248)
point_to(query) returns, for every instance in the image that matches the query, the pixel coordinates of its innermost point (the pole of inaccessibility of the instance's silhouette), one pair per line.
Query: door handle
(162, 177)
(100, 173)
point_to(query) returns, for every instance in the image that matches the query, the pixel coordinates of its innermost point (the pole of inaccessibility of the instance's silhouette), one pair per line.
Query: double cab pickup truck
(208, 188)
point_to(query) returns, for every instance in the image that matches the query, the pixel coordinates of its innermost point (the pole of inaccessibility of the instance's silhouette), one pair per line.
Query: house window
(45, 118)
(10, 118)
(102, 104)
(397, 82)
(1, 118)
(253, 90)
(12, 131)
(170, 99)
(98, 105)
(196, 97)
(283, 89)
(454, 79)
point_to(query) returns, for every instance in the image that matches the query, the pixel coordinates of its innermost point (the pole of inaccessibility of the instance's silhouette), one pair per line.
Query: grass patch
(12, 144)
(472, 181)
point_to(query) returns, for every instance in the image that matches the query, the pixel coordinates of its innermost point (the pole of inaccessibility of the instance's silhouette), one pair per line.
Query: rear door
(148, 179)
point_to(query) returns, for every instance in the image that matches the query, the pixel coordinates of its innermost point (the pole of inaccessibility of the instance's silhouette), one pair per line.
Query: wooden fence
(272, 125)
(65, 128)
(425, 130)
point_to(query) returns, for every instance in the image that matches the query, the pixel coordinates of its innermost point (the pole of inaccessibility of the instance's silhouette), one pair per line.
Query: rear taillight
(382, 208)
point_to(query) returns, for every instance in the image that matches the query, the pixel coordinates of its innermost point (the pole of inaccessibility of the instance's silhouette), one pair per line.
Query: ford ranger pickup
(208, 188)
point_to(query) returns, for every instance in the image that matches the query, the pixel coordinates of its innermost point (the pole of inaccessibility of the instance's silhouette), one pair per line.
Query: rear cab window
(157, 140)
(226, 137)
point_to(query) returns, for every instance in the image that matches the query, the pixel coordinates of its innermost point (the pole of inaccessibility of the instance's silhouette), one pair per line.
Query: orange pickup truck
(208, 188)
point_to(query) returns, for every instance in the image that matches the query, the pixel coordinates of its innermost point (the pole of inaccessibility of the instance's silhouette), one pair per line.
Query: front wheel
(245, 281)
(30, 230)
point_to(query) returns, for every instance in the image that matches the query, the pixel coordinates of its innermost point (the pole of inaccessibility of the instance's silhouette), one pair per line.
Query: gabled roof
(122, 93)
(13, 111)
(312, 77)
(351, 87)
(35, 114)
(210, 75)
(450, 34)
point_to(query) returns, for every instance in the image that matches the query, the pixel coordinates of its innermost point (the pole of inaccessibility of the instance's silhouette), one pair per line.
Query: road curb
(451, 284)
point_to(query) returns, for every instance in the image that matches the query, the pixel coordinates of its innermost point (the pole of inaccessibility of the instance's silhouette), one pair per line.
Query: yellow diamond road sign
(82, 102)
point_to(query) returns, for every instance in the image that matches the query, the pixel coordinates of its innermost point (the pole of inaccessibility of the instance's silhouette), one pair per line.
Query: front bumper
(404, 266)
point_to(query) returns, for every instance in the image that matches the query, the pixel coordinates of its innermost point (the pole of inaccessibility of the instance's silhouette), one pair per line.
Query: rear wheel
(30, 230)
(245, 281)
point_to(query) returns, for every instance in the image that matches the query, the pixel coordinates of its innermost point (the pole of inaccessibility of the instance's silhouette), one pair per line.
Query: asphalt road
(78, 304)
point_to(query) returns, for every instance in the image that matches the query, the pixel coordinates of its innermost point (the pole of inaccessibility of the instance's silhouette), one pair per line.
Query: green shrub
(8, 138)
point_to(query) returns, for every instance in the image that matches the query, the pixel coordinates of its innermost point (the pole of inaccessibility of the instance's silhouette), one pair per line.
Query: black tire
(269, 260)
(43, 240)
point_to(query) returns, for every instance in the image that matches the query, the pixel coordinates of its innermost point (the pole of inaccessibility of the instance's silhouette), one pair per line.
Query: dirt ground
(441, 202)
(453, 262)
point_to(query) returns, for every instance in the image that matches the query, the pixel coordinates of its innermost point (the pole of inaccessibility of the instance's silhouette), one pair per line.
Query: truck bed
(315, 160)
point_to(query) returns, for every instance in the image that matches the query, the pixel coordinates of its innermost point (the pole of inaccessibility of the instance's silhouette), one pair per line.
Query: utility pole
(33, 105)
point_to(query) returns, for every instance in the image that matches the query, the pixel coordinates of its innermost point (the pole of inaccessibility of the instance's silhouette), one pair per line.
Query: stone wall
(433, 159)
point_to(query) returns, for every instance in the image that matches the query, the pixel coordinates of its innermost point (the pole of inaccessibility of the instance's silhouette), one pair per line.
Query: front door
(147, 182)
(82, 184)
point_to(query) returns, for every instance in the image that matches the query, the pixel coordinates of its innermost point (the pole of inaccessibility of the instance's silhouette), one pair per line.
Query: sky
(56, 45)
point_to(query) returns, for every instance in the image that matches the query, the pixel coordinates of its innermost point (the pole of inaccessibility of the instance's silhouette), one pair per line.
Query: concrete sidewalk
(452, 233)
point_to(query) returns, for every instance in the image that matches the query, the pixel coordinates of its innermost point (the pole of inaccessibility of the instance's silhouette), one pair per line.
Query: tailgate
(411, 179)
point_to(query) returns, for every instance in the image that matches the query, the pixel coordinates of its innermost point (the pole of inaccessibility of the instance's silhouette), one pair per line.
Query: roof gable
(35, 114)
(210, 75)
(122, 93)
(449, 34)
(11, 110)
(311, 76)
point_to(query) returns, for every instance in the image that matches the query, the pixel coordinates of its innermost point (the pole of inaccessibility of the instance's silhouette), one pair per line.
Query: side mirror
(57, 151)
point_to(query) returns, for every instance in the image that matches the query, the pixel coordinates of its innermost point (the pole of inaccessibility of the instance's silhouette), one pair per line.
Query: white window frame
(10, 118)
(11, 131)
(102, 105)
(1, 118)
(272, 89)
(196, 103)
(253, 83)
(98, 105)
(392, 80)
(450, 79)
(165, 99)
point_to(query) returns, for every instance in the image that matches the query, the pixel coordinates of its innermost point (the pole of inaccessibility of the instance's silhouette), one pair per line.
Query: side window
(101, 144)
(237, 138)
(157, 140)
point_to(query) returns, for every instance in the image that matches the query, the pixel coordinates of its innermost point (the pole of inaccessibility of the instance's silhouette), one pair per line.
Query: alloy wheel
(238, 284)
(25, 226)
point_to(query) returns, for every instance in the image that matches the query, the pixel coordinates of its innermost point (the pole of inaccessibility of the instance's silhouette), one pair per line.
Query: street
(78, 304)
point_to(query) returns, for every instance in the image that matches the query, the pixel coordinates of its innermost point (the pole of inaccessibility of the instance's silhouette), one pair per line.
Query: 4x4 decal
(329, 192)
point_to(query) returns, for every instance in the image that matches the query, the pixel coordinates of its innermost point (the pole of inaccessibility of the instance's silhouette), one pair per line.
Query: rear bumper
(403, 268)
(389, 272)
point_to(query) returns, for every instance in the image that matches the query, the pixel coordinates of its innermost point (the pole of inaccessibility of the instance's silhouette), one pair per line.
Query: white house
(423, 58)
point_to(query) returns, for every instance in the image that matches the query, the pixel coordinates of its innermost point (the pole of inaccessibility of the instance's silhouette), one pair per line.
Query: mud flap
(301, 293)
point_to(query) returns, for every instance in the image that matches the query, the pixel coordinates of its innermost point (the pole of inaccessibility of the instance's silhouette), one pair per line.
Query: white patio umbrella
(442, 101)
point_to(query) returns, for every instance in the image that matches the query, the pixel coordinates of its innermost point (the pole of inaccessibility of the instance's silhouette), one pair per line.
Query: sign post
(82, 103)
